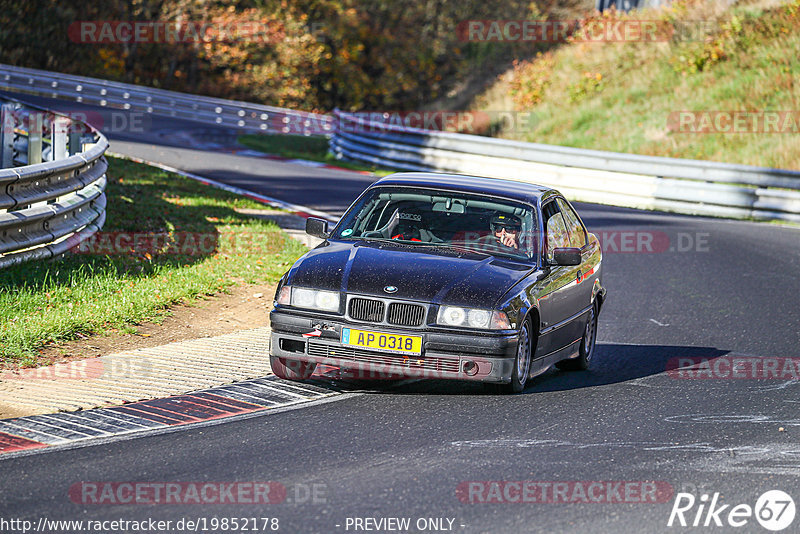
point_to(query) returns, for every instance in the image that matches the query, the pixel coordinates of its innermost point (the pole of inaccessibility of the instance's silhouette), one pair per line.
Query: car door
(581, 297)
(558, 288)
(578, 236)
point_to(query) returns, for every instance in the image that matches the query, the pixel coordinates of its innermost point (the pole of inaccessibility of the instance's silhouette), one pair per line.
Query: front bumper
(445, 355)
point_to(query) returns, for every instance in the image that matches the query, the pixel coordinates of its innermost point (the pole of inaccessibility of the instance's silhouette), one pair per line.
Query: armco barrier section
(646, 182)
(53, 195)
(685, 186)
(137, 98)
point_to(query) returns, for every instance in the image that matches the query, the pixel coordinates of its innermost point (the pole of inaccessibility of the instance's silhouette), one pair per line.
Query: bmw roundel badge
(390, 289)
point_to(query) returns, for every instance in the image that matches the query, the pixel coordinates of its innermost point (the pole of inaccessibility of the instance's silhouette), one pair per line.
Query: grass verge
(305, 147)
(625, 96)
(194, 244)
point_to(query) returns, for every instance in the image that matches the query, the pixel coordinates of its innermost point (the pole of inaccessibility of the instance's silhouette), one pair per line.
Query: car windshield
(433, 218)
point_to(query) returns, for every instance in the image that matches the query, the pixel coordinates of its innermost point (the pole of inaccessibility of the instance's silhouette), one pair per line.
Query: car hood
(429, 275)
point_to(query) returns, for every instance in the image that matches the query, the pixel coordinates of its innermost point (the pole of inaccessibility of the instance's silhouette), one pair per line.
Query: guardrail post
(6, 136)
(60, 129)
(75, 143)
(35, 126)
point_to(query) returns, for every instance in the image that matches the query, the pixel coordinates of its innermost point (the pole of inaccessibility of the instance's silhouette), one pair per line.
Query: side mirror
(567, 256)
(317, 228)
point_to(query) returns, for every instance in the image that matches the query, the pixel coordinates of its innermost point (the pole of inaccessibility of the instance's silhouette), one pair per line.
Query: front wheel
(581, 363)
(291, 369)
(522, 363)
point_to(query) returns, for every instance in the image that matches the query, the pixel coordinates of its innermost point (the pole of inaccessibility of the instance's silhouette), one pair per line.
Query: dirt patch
(243, 308)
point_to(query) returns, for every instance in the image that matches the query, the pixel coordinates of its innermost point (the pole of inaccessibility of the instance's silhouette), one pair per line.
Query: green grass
(747, 62)
(304, 147)
(52, 301)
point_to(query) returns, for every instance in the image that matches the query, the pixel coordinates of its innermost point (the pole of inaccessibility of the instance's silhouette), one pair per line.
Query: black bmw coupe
(443, 276)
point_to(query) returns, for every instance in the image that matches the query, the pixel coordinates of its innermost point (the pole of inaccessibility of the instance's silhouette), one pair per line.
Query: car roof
(522, 191)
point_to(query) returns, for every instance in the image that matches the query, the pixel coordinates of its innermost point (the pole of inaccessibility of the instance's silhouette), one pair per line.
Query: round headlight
(478, 318)
(327, 300)
(453, 315)
(303, 297)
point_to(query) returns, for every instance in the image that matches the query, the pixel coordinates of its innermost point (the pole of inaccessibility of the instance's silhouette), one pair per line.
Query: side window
(577, 235)
(555, 229)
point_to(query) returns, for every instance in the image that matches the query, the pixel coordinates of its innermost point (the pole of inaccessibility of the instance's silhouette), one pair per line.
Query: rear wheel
(582, 362)
(291, 369)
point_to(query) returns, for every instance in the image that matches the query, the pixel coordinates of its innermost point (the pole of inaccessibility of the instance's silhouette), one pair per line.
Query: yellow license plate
(397, 343)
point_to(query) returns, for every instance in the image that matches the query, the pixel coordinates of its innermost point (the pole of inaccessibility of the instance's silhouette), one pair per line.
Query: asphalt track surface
(711, 288)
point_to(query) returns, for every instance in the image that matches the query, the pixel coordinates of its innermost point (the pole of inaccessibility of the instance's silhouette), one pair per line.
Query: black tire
(584, 359)
(291, 369)
(521, 369)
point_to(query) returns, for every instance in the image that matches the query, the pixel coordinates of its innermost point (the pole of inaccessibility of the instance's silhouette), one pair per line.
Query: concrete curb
(156, 372)
(42, 433)
(139, 374)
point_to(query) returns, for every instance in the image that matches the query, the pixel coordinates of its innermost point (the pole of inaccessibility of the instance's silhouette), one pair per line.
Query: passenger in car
(408, 226)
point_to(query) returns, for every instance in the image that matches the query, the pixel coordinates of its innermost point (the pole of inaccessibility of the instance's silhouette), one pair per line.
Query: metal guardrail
(137, 98)
(645, 182)
(685, 186)
(53, 196)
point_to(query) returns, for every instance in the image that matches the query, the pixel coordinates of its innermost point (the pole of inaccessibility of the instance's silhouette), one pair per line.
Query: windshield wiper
(459, 248)
(361, 238)
(421, 244)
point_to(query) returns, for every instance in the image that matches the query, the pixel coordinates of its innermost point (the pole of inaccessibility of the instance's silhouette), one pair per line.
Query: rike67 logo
(774, 510)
